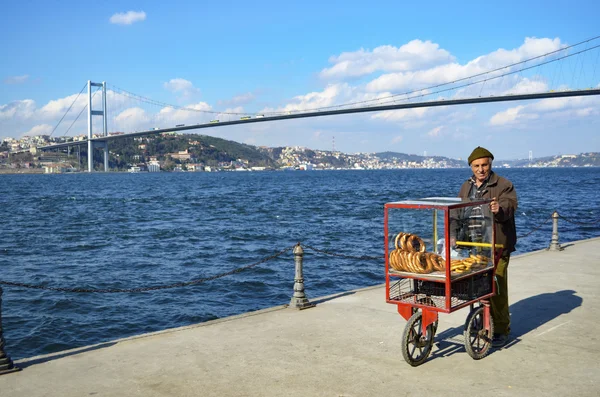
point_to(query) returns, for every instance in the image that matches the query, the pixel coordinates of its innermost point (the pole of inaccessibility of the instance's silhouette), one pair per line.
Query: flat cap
(479, 153)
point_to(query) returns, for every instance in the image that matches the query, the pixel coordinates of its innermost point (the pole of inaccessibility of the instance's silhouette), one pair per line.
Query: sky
(219, 60)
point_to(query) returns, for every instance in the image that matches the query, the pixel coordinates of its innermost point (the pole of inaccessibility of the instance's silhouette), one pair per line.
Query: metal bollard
(554, 244)
(299, 299)
(6, 364)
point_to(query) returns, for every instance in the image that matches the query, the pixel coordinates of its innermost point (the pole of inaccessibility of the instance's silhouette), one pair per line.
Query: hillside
(201, 149)
(394, 156)
(176, 151)
(590, 159)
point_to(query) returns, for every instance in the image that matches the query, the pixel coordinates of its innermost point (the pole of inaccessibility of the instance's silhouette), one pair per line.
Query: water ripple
(109, 230)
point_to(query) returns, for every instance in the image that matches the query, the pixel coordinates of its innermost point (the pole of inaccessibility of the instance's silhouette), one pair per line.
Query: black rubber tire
(478, 341)
(416, 347)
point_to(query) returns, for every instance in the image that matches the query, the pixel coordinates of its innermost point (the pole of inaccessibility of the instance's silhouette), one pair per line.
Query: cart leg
(406, 311)
(487, 318)
(429, 317)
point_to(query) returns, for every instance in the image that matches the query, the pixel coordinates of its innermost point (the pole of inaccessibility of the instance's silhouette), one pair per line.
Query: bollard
(6, 364)
(554, 244)
(299, 299)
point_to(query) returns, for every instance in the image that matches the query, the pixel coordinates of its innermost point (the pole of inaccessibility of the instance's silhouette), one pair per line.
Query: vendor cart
(441, 256)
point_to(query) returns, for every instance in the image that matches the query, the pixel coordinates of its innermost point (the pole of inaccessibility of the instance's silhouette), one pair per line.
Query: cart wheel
(477, 339)
(416, 346)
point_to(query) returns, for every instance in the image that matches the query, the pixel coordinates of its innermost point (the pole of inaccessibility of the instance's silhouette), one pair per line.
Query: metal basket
(464, 289)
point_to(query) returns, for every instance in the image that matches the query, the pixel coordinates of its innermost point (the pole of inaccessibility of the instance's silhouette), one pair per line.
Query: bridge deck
(349, 345)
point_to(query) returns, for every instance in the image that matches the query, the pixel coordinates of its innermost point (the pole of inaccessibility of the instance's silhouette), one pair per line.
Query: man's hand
(495, 206)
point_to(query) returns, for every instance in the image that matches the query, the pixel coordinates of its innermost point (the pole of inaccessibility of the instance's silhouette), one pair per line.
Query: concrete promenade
(350, 345)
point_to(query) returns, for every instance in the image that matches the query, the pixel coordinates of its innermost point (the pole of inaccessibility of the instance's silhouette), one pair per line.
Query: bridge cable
(77, 118)
(158, 103)
(465, 78)
(502, 75)
(61, 119)
(164, 104)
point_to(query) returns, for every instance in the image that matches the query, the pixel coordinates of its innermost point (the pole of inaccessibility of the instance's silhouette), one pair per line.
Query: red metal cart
(441, 256)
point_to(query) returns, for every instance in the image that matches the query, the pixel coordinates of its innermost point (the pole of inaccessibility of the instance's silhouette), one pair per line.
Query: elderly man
(484, 183)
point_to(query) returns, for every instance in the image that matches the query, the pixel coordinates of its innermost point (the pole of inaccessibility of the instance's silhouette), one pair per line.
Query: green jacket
(503, 190)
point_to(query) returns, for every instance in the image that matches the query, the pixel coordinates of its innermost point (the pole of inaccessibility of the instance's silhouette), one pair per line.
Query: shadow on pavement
(526, 315)
(530, 313)
(27, 363)
(335, 296)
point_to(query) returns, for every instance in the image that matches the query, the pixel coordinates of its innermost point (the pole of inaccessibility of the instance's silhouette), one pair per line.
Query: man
(484, 183)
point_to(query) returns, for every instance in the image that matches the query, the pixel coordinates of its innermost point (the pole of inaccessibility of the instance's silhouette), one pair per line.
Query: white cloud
(58, 107)
(41, 129)
(238, 99)
(181, 86)
(397, 139)
(168, 116)
(132, 119)
(404, 114)
(413, 55)
(417, 78)
(572, 107)
(23, 109)
(127, 18)
(511, 116)
(527, 86)
(435, 132)
(332, 94)
(16, 79)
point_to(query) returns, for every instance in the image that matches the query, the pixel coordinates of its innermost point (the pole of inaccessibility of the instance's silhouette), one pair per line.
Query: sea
(224, 239)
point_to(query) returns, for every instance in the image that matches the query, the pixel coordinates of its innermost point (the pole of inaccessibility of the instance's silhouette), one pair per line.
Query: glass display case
(439, 251)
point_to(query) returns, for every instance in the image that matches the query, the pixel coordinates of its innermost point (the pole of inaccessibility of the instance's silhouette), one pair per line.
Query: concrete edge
(317, 302)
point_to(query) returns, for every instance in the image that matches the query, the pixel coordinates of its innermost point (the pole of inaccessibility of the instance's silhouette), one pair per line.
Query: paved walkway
(349, 345)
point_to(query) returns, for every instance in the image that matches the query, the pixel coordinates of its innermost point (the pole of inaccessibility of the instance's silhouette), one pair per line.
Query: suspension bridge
(572, 71)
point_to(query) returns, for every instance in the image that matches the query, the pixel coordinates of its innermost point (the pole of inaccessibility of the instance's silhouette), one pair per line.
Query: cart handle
(485, 245)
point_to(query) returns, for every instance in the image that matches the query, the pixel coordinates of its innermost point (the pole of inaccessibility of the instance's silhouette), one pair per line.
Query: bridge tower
(97, 143)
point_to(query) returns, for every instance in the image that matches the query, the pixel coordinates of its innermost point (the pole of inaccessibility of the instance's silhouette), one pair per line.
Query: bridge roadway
(349, 345)
(320, 113)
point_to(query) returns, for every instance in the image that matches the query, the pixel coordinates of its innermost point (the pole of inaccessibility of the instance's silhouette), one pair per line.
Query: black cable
(61, 119)
(502, 75)
(343, 255)
(579, 223)
(536, 228)
(378, 100)
(145, 289)
(77, 118)
(465, 78)
(164, 104)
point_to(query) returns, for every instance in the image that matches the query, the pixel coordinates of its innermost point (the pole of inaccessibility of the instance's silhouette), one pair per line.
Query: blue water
(137, 230)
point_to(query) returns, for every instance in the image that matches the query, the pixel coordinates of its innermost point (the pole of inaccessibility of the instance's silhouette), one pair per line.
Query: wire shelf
(431, 293)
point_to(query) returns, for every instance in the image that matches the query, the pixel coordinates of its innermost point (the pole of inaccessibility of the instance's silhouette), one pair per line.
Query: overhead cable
(61, 119)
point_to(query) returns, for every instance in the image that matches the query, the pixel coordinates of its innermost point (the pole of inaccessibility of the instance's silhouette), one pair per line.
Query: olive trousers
(499, 307)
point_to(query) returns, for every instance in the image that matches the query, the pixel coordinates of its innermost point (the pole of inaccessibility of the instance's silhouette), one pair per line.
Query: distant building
(57, 168)
(153, 167)
(195, 167)
(182, 155)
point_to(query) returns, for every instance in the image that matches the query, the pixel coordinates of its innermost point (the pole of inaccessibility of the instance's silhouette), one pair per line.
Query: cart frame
(409, 303)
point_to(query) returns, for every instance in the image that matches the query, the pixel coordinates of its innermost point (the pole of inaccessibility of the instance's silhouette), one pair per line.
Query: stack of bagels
(410, 255)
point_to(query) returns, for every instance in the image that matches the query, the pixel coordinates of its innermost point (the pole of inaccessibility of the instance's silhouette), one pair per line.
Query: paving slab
(350, 345)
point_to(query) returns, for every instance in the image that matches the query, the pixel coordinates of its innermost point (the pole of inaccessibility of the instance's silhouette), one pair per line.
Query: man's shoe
(499, 340)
